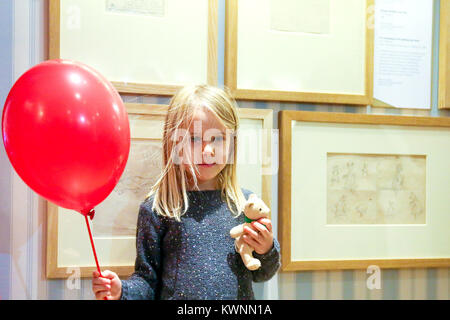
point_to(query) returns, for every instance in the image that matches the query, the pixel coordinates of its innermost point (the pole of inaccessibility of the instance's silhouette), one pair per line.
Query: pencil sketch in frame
(376, 189)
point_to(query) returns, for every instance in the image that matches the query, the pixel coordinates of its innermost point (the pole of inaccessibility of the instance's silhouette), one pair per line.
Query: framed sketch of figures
(359, 190)
(114, 224)
(444, 57)
(147, 47)
(300, 50)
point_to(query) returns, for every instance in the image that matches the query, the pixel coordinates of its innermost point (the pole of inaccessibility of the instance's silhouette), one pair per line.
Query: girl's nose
(208, 149)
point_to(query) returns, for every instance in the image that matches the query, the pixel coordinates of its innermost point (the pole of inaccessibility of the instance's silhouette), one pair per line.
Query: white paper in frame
(403, 54)
(154, 47)
(328, 60)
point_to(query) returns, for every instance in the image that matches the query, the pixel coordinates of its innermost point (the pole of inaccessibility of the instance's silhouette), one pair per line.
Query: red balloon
(66, 133)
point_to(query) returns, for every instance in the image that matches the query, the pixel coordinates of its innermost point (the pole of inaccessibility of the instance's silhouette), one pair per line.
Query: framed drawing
(114, 225)
(444, 57)
(358, 190)
(306, 51)
(145, 47)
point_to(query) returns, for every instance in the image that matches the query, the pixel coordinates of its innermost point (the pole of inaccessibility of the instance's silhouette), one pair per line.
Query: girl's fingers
(262, 239)
(97, 288)
(101, 281)
(108, 274)
(266, 222)
(253, 234)
(252, 242)
(101, 284)
(105, 274)
(261, 228)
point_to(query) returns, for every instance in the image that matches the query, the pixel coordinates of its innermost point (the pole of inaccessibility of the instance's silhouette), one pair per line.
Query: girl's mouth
(206, 165)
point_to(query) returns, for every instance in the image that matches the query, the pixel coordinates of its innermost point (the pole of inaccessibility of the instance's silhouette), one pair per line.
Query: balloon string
(92, 244)
(91, 215)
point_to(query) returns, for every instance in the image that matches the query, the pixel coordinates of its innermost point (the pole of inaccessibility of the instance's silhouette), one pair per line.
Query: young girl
(184, 248)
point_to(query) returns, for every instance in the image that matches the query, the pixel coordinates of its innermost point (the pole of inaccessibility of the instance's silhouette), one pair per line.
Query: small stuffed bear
(254, 209)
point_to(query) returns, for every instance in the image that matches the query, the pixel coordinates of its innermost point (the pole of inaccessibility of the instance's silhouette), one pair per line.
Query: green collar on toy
(248, 220)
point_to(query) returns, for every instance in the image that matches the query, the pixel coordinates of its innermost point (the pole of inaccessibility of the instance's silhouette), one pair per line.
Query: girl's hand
(260, 236)
(108, 286)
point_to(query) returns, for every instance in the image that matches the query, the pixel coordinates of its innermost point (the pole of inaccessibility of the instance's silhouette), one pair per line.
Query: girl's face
(209, 144)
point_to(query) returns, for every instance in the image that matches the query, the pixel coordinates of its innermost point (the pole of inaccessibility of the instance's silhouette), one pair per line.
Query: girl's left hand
(260, 236)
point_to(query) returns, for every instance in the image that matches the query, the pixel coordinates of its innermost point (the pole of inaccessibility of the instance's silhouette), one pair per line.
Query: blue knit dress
(195, 258)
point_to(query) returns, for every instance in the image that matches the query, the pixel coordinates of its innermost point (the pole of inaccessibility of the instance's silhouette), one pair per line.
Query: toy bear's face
(255, 208)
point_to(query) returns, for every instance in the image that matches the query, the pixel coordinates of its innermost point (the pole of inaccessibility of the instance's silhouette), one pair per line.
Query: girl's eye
(196, 139)
(216, 138)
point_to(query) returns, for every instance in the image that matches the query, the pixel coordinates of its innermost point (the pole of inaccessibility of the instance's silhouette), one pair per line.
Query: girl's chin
(206, 174)
(205, 177)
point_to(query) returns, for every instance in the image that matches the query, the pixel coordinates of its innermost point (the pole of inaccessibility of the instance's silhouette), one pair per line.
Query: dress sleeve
(270, 263)
(144, 283)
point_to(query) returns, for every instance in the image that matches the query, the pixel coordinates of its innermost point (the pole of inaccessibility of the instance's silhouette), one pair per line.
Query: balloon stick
(91, 215)
(92, 241)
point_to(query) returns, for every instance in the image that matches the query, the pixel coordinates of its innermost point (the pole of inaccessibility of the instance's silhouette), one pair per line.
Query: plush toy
(254, 209)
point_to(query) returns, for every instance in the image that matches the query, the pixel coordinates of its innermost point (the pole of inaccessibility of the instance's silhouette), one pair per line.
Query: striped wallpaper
(23, 30)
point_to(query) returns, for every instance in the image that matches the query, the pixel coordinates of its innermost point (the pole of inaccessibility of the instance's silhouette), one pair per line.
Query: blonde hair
(170, 190)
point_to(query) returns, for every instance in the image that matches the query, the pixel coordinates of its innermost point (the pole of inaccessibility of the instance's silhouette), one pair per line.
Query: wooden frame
(231, 56)
(156, 114)
(444, 57)
(286, 120)
(143, 88)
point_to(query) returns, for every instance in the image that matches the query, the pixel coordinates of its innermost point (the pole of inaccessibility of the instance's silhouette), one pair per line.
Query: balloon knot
(90, 214)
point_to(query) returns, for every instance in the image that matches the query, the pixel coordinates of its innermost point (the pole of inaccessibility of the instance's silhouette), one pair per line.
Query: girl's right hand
(108, 286)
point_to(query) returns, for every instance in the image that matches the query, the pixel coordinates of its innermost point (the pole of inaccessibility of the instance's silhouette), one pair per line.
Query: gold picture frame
(76, 21)
(309, 241)
(444, 57)
(68, 245)
(232, 62)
